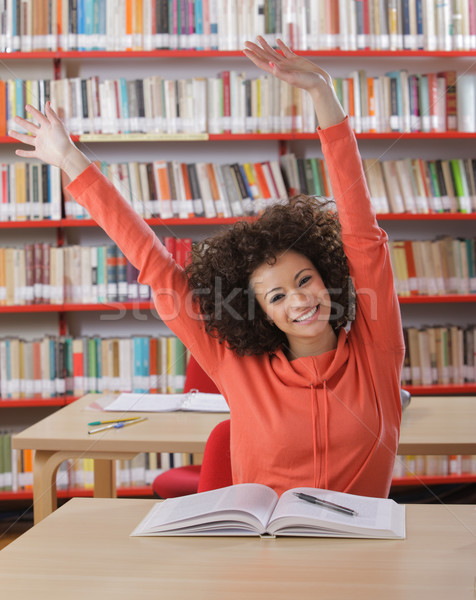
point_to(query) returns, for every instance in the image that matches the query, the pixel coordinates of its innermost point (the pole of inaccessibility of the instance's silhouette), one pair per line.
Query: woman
(263, 308)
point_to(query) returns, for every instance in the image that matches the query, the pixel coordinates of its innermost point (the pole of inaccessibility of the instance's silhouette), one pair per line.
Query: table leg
(45, 467)
(104, 478)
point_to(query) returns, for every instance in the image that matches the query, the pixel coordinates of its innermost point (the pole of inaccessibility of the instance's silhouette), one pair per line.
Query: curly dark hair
(221, 267)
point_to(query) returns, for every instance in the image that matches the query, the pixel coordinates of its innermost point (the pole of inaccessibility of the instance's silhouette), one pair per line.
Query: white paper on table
(191, 401)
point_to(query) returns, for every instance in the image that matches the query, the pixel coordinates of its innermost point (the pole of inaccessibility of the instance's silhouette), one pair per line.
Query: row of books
(415, 185)
(439, 355)
(169, 189)
(434, 465)
(236, 104)
(410, 185)
(58, 366)
(409, 102)
(29, 191)
(16, 468)
(41, 273)
(437, 267)
(227, 103)
(225, 24)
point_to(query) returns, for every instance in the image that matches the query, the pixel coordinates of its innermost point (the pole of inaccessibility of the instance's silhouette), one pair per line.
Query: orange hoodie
(327, 421)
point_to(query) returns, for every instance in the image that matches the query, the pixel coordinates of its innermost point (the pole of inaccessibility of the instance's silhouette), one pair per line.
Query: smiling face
(293, 296)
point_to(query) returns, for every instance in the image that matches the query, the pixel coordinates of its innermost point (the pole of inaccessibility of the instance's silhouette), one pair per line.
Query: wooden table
(431, 425)
(83, 550)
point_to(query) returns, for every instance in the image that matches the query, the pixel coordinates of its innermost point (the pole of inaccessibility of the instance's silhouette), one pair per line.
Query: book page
(376, 517)
(146, 403)
(236, 508)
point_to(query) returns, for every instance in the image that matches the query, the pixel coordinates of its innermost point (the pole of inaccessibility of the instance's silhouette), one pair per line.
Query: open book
(255, 509)
(192, 401)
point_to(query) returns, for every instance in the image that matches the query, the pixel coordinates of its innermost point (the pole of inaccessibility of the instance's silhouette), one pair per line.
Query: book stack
(442, 266)
(439, 355)
(225, 24)
(58, 366)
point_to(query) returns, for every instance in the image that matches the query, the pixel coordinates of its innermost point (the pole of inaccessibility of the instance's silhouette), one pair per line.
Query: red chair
(215, 471)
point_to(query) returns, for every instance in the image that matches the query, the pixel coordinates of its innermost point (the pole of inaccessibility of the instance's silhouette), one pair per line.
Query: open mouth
(307, 315)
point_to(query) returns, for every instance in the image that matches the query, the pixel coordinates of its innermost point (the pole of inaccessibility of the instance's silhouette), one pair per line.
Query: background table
(83, 550)
(439, 425)
(64, 435)
(431, 425)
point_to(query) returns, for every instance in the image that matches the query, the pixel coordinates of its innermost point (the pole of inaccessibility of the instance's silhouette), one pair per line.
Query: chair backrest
(216, 465)
(197, 379)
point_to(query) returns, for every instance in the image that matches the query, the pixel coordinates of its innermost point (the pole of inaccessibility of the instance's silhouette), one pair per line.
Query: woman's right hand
(50, 140)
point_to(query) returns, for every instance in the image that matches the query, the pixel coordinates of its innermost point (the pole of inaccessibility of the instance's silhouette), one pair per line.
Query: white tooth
(307, 315)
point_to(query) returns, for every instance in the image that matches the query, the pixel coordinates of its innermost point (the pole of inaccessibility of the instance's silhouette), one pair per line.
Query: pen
(326, 504)
(113, 421)
(117, 425)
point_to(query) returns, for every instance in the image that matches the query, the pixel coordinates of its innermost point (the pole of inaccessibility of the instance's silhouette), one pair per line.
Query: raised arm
(52, 144)
(378, 314)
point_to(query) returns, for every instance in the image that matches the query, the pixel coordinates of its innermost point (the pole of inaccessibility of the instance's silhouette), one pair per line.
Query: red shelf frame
(33, 308)
(129, 305)
(203, 221)
(415, 390)
(426, 217)
(449, 389)
(147, 490)
(448, 298)
(418, 480)
(289, 136)
(37, 402)
(79, 492)
(58, 54)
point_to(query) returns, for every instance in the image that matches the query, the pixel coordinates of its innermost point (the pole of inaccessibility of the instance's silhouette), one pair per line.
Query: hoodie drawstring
(315, 425)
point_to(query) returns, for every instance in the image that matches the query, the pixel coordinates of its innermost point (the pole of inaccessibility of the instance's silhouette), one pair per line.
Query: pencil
(113, 421)
(117, 425)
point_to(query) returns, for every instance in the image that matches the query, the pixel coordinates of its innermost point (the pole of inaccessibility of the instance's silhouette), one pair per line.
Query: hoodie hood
(311, 370)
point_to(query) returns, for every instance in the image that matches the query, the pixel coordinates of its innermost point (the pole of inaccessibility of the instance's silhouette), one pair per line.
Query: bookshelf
(60, 63)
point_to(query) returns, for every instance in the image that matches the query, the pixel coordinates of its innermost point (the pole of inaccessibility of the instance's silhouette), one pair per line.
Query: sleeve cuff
(83, 180)
(335, 132)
